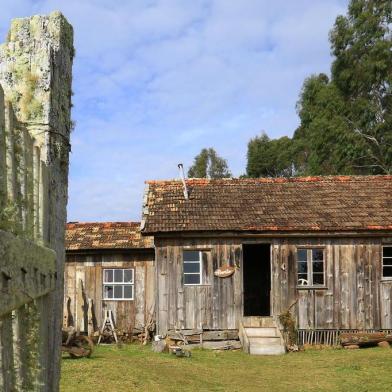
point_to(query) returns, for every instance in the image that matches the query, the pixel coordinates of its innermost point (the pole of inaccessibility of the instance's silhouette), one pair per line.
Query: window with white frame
(192, 267)
(118, 284)
(387, 262)
(310, 267)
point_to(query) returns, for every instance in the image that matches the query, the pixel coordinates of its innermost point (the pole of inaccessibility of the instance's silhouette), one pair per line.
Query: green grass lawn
(136, 368)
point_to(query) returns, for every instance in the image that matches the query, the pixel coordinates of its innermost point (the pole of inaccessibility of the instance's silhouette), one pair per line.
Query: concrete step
(258, 321)
(270, 349)
(265, 340)
(261, 331)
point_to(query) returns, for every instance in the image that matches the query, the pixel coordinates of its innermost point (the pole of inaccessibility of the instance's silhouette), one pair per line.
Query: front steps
(261, 336)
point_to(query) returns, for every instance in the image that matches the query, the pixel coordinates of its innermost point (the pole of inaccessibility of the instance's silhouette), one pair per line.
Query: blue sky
(155, 81)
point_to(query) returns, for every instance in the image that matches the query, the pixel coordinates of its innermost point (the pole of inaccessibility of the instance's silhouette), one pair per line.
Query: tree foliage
(208, 164)
(346, 120)
(362, 72)
(270, 158)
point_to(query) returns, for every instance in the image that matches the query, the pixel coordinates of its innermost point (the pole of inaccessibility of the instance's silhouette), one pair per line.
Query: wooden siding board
(89, 268)
(329, 277)
(139, 297)
(237, 285)
(215, 290)
(360, 297)
(377, 263)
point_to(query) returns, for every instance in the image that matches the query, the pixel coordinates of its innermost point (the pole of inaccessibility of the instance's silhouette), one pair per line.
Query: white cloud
(157, 80)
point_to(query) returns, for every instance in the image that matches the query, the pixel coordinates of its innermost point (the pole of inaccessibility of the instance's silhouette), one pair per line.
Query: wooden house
(109, 266)
(321, 244)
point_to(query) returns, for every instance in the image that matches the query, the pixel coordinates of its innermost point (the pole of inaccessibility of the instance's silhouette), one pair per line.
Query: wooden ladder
(108, 324)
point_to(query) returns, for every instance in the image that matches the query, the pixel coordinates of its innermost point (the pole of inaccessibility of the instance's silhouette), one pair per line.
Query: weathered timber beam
(27, 271)
(268, 235)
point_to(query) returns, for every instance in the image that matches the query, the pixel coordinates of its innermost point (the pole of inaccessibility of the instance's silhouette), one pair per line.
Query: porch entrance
(257, 279)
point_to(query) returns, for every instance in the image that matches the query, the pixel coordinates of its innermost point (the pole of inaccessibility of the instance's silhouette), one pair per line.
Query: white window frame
(194, 262)
(382, 262)
(131, 283)
(309, 263)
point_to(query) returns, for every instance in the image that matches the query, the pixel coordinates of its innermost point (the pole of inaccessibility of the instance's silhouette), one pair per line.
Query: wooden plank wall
(88, 268)
(216, 304)
(354, 296)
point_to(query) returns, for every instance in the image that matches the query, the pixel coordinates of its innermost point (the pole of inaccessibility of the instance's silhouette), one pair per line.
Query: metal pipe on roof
(182, 176)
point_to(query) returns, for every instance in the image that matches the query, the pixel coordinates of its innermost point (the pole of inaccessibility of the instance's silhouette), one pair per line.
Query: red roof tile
(105, 235)
(266, 204)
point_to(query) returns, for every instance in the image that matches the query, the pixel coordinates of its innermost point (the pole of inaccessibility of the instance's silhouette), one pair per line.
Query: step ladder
(261, 336)
(108, 325)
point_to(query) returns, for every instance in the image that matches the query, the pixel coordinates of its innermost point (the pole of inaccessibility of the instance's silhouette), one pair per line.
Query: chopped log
(364, 339)
(383, 344)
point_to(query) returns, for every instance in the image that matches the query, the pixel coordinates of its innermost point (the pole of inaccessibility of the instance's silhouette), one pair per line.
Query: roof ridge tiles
(125, 223)
(337, 178)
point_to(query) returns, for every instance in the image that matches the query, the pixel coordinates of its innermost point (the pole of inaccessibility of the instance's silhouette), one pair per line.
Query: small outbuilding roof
(341, 203)
(105, 235)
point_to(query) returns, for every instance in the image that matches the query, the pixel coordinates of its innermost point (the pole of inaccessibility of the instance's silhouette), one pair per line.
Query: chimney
(182, 176)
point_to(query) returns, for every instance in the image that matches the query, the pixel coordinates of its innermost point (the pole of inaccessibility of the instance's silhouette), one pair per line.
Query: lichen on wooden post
(35, 125)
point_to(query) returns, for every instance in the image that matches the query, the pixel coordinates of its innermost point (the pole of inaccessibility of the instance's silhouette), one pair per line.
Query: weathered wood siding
(88, 268)
(354, 297)
(216, 304)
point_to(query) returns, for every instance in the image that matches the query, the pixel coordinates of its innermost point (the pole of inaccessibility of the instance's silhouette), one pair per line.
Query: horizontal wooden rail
(27, 271)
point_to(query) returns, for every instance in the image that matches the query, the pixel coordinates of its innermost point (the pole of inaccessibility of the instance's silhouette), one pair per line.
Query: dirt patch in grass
(134, 367)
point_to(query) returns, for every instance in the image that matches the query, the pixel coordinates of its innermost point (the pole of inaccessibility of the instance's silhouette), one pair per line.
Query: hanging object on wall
(224, 271)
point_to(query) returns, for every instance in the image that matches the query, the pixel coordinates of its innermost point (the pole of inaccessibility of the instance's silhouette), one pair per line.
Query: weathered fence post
(35, 125)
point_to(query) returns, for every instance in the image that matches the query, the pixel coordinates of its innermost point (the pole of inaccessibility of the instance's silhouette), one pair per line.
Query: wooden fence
(27, 268)
(327, 337)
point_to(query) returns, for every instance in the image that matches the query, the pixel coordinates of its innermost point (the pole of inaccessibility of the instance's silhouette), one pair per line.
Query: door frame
(255, 242)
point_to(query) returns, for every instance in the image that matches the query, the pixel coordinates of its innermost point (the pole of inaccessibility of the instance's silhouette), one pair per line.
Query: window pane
(191, 278)
(318, 266)
(387, 251)
(387, 261)
(317, 254)
(108, 276)
(118, 275)
(387, 272)
(128, 276)
(128, 292)
(302, 267)
(302, 254)
(108, 291)
(191, 255)
(318, 278)
(303, 280)
(118, 291)
(192, 267)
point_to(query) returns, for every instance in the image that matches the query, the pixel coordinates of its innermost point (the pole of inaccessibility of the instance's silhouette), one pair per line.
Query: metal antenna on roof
(182, 176)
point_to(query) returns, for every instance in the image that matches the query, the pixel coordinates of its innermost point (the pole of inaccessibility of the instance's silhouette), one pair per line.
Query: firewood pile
(135, 334)
(75, 344)
(189, 339)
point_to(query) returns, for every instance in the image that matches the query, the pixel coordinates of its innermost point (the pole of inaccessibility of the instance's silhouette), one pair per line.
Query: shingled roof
(339, 203)
(105, 235)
